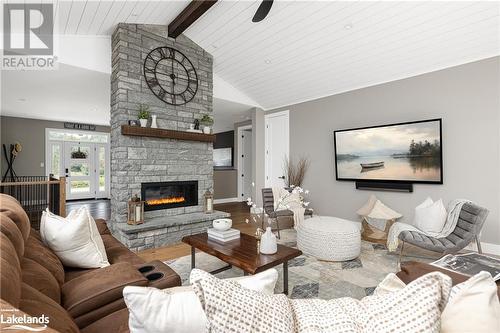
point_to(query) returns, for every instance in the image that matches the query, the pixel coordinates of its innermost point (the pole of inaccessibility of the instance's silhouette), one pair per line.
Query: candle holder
(135, 211)
(209, 202)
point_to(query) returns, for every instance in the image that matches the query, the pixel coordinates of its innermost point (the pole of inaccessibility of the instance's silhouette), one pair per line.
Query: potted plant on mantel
(206, 121)
(143, 115)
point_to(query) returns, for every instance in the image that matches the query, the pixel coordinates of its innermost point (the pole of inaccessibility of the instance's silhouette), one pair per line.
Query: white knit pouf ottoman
(329, 238)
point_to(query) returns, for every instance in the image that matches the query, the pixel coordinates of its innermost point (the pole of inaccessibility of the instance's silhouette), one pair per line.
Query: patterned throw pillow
(232, 308)
(416, 308)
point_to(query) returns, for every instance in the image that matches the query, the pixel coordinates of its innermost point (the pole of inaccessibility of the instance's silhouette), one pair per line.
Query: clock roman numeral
(183, 97)
(153, 82)
(191, 91)
(161, 93)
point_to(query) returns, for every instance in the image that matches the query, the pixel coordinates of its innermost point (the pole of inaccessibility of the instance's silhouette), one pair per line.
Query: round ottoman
(329, 238)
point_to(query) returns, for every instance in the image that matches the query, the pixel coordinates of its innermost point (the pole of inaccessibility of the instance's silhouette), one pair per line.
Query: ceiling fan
(263, 10)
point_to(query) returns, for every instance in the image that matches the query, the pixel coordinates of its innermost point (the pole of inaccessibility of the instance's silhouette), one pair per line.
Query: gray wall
(466, 97)
(31, 134)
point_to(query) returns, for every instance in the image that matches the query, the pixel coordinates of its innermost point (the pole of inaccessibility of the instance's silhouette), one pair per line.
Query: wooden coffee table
(242, 253)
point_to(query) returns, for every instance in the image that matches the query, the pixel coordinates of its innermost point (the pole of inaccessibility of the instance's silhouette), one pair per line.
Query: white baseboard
(225, 200)
(488, 248)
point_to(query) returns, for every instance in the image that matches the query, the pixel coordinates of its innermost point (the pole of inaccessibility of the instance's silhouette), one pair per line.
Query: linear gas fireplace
(165, 195)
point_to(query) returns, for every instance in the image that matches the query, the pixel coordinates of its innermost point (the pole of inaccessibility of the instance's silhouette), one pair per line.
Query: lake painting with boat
(406, 152)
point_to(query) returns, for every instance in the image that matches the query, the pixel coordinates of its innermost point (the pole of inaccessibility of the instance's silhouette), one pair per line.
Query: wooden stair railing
(36, 193)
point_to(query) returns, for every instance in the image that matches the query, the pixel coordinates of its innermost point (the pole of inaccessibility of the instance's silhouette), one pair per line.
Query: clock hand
(172, 75)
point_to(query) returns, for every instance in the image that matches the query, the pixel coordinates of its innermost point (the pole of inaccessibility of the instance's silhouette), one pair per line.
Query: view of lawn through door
(83, 157)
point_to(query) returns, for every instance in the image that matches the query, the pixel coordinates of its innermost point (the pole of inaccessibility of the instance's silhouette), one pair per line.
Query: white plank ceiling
(308, 49)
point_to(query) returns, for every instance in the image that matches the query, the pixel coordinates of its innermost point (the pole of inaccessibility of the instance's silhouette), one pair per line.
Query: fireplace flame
(164, 201)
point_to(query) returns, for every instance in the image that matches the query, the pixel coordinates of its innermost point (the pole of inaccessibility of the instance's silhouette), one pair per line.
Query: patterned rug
(309, 277)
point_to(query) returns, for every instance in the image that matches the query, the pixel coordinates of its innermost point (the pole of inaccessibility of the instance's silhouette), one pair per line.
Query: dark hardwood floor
(99, 209)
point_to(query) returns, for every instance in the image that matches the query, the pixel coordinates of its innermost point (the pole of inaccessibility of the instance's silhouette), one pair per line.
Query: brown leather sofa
(34, 281)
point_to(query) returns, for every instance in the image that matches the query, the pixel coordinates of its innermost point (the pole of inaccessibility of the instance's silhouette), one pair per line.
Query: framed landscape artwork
(223, 158)
(406, 152)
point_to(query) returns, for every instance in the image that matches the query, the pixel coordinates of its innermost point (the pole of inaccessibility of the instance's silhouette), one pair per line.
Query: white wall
(467, 97)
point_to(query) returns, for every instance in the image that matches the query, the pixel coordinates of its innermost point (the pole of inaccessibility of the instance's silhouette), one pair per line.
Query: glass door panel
(79, 170)
(102, 167)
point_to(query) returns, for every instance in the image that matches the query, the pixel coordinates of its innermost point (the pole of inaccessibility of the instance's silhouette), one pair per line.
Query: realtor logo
(28, 29)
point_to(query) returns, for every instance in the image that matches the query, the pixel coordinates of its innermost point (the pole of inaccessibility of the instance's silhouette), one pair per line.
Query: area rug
(309, 277)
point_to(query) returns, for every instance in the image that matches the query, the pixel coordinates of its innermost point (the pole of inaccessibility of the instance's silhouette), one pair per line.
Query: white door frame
(48, 161)
(266, 138)
(239, 132)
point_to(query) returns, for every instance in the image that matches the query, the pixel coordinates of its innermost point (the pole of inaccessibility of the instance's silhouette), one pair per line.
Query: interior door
(277, 147)
(247, 164)
(80, 170)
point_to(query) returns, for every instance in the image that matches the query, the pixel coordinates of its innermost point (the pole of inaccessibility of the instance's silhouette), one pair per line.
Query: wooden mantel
(166, 134)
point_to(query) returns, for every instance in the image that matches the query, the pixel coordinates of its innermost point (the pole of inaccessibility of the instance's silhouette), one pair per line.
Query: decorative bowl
(222, 224)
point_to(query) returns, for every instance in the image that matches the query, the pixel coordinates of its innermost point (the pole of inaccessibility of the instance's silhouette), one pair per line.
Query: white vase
(206, 129)
(268, 244)
(144, 122)
(153, 121)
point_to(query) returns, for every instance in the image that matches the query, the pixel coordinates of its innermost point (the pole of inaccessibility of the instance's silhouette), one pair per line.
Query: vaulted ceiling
(308, 49)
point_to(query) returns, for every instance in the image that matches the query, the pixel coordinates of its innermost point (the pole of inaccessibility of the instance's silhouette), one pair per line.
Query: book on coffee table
(223, 236)
(470, 264)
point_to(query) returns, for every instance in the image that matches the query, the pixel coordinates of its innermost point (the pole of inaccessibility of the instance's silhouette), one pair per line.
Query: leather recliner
(34, 282)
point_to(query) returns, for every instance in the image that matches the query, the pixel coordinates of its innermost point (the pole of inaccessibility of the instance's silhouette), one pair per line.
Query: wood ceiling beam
(188, 16)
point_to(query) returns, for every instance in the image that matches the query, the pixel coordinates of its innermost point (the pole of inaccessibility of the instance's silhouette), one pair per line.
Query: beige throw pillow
(416, 308)
(473, 307)
(232, 308)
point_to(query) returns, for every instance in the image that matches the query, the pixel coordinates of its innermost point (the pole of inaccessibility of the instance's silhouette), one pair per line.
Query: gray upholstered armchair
(470, 222)
(268, 205)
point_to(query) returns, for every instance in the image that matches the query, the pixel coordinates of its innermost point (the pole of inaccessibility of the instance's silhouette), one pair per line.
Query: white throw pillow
(473, 306)
(389, 284)
(178, 310)
(368, 206)
(74, 239)
(430, 216)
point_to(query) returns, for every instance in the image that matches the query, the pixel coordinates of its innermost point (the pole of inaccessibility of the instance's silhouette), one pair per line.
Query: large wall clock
(170, 75)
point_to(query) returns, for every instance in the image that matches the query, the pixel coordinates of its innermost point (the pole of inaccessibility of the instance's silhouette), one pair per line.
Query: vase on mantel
(153, 121)
(268, 243)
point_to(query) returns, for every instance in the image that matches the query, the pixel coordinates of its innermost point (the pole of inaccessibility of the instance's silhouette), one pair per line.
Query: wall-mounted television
(406, 152)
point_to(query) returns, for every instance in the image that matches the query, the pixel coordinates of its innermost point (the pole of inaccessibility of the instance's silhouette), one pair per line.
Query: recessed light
(267, 61)
(348, 26)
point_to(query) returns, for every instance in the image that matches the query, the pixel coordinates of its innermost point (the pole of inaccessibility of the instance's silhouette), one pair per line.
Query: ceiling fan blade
(263, 10)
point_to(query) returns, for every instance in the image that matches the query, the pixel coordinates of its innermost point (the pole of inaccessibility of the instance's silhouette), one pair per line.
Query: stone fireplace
(167, 195)
(170, 174)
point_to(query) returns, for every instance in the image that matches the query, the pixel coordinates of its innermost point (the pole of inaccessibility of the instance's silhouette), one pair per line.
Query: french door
(85, 164)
